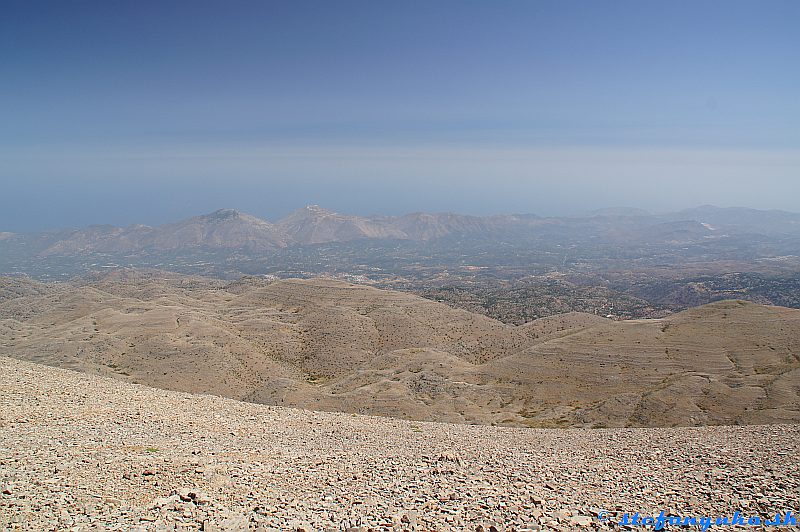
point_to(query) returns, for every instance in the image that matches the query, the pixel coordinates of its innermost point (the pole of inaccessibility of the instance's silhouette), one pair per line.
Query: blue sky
(126, 112)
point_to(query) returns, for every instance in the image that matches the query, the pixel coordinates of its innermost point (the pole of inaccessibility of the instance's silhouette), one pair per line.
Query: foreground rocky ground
(80, 452)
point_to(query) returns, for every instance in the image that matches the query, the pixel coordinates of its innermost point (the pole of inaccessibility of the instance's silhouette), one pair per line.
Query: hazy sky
(150, 111)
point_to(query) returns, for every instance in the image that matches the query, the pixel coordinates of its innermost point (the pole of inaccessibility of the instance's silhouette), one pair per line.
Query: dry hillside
(329, 345)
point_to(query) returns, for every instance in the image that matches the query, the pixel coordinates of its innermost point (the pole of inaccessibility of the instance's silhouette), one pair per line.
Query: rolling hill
(329, 345)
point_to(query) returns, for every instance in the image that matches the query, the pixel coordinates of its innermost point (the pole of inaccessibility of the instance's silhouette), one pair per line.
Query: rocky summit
(81, 452)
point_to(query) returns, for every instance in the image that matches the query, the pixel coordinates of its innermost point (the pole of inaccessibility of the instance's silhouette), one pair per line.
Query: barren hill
(330, 345)
(82, 452)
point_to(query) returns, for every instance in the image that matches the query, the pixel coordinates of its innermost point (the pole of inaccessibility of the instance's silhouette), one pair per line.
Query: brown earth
(330, 345)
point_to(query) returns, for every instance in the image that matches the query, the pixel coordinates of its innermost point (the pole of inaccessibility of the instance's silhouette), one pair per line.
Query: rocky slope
(334, 346)
(81, 452)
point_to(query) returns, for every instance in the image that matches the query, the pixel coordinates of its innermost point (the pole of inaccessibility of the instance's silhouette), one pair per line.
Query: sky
(151, 111)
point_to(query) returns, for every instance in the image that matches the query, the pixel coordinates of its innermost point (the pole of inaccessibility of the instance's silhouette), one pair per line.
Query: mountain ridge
(229, 229)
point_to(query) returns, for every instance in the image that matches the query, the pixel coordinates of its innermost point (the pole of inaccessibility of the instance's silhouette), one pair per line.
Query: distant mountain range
(225, 228)
(228, 229)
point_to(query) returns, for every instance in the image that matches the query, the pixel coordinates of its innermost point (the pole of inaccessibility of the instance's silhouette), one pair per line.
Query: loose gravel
(80, 452)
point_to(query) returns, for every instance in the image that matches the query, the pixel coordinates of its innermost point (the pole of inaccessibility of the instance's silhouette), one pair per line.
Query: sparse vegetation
(411, 357)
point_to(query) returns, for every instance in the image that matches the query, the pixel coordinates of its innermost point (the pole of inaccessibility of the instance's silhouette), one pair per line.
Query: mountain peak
(316, 210)
(223, 214)
(307, 213)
